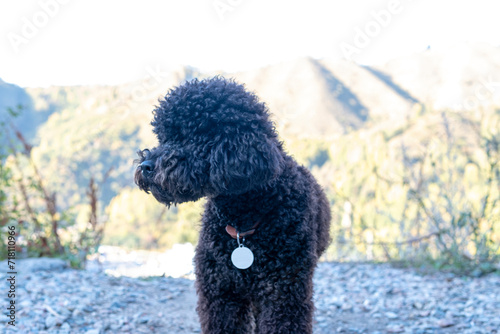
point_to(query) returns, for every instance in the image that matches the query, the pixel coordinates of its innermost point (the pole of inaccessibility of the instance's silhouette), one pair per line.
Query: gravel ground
(350, 298)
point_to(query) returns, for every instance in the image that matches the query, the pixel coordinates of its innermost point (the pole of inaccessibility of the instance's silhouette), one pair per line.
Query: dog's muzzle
(147, 167)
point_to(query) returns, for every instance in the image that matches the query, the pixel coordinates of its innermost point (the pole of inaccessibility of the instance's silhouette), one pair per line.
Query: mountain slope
(306, 98)
(13, 97)
(385, 102)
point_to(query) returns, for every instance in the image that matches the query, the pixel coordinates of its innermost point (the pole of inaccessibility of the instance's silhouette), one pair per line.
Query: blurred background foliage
(427, 196)
(420, 188)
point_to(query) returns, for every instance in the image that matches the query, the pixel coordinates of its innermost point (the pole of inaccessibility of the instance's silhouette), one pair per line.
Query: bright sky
(69, 42)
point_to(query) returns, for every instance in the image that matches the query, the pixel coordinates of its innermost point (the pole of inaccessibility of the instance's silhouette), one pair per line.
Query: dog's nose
(147, 166)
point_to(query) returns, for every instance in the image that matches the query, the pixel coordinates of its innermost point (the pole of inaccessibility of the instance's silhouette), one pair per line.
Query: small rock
(443, 323)
(52, 321)
(143, 320)
(88, 309)
(391, 315)
(395, 329)
(418, 305)
(424, 314)
(117, 305)
(65, 328)
(92, 331)
(346, 307)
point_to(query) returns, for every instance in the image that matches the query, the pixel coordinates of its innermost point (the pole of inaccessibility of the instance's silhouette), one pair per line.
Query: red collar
(233, 233)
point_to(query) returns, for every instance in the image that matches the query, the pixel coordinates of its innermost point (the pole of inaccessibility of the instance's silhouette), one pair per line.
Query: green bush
(27, 201)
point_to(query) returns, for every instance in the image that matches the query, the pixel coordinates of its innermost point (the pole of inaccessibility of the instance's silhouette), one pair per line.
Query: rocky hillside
(312, 98)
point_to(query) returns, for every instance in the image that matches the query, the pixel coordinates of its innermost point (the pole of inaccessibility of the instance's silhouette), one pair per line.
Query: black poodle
(266, 221)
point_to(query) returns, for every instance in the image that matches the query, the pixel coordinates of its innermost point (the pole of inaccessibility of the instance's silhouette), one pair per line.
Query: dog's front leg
(286, 307)
(221, 311)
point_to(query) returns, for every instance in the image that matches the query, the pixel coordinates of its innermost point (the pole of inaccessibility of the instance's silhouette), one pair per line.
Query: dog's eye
(170, 163)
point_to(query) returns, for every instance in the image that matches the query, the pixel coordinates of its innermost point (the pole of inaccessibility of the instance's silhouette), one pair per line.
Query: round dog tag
(242, 257)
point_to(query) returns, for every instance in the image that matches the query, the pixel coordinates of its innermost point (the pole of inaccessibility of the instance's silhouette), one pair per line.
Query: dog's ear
(240, 164)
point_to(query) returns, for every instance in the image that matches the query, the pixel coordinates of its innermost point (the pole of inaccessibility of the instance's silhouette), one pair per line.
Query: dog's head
(214, 138)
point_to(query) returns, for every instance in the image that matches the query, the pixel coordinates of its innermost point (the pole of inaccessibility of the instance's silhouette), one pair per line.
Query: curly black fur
(216, 141)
